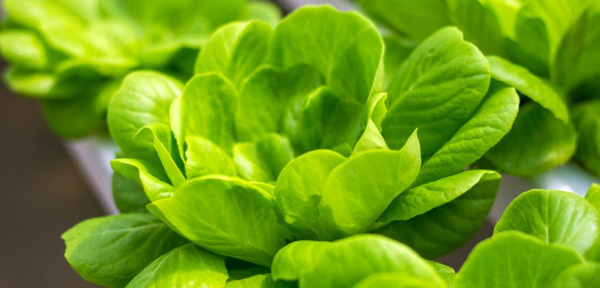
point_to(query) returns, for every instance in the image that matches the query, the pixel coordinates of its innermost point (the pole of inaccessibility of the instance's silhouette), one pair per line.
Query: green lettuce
(285, 134)
(72, 55)
(545, 49)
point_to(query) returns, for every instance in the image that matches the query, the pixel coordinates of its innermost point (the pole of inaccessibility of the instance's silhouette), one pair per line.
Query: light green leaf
(353, 259)
(227, 216)
(110, 251)
(555, 217)
(374, 113)
(397, 50)
(297, 258)
(586, 275)
(447, 273)
(265, 11)
(414, 20)
(205, 158)
(537, 143)
(158, 136)
(587, 121)
(262, 161)
(343, 46)
(23, 48)
(514, 259)
(257, 281)
(30, 84)
(129, 196)
(593, 196)
(236, 51)
(187, 266)
(299, 189)
(490, 123)
(208, 105)
(396, 280)
(360, 189)
(269, 96)
(448, 226)
(529, 85)
(150, 176)
(437, 90)
(144, 98)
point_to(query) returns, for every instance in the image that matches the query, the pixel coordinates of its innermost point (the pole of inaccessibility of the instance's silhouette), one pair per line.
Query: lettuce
(285, 134)
(73, 54)
(545, 49)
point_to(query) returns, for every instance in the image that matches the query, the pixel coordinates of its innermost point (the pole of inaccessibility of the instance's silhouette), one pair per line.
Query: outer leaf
(530, 86)
(152, 178)
(448, 226)
(144, 98)
(110, 251)
(554, 217)
(493, 119)
(345, 48)
(299, 190)
(22, 47)
(360, 189)
(226, 216)
(208, 104)
(351, 260)
(437, 90)
(297, 258)
(514, 259)
(236, 50)
(587, 122)
(593, 195)
(579, 276)
(537, 142)
(187, 266)
(206, 158)
(402, 15)
(396, 280)
(262, 161)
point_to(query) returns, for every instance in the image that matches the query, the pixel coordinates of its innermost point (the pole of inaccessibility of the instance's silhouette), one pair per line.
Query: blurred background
(44, 194)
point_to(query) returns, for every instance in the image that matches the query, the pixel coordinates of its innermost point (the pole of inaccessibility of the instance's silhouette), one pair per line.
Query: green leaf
(297, 258)
(144, 98)
(587, 121)
(514, 259)
(344, 47)
(490, 123)
(529, 85)
(129, 196)
(257, 281)
(414, 20)
(360, 189)
(151, 177)
(537, 143)
(447, 273)
(262, 161)
(30, 84)
(110, 251)
(225, 215)
(236, 51)
(159, 137)
(396, 280)
(208, 105)
(353, 259)
(187, 266)
(450, 223)
(269, 96)
(593, 195)
(579, 47)
(24, 48)
(299, 189)
(397, 50)
(555, 217)
(437, 90)
(265, 11)
(205, 158)
(579, 276)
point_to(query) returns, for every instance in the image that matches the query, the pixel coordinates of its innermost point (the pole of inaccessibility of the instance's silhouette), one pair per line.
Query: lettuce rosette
(547, 50)
(284, 134)
(73, 54)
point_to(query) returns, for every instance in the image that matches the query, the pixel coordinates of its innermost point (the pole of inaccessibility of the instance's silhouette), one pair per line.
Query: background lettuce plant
(545, 49)
(545, 238)
(73, 54)
(280, 137)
